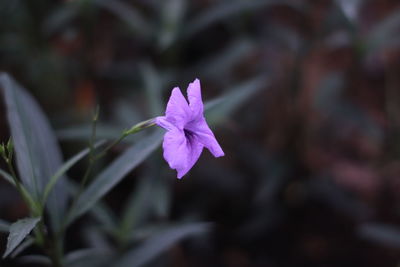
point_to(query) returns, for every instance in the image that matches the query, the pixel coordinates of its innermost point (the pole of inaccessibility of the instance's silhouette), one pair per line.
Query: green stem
(34, 207)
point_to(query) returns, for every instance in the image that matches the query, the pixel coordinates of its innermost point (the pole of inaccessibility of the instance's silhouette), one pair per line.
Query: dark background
(311, 172)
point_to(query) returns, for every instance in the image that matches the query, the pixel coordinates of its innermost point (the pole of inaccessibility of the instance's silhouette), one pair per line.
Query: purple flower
(187, 130)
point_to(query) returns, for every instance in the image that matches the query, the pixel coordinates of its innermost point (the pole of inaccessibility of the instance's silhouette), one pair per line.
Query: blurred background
(303, 96)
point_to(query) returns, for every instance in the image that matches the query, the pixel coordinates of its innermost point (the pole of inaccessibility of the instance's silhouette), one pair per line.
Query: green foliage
(114, 173)
(159, 242)
(18, 232)
(33, 136)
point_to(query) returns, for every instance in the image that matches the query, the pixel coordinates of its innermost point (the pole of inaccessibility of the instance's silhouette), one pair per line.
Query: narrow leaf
(64, 168)
(24, 245)
(7, 177)
(219, 108)
(114, 173)
(385, 33)
(38, 155)
(39, 260)
(129, 15)
(18, 231)
(227, 9)
(87, 257)
(384, 234)
(160, 242)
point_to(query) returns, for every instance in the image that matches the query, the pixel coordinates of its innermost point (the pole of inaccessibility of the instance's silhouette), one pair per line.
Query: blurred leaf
(104, 215)
(37, 152)
(325, 191)
(350, 8)
(160, 242)
(137, 207)
(153, 86)
(385, 33)
(221, 107)
(18, 231)
(226, 9)
(82, 132)
(24, 245)
(162, 197)
(61, 17)
(172, 12)
(114, 173)
(29, 260)
(96, 238)
(64, 168)
(381, 233)
(100, 211)
(328, 95)
(87, 257)
(221, 64)
(7, 177)
(4, 226)
(129, 15)
(125, 113)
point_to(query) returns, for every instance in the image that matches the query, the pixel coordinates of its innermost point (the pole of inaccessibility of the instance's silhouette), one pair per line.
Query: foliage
(303, 96)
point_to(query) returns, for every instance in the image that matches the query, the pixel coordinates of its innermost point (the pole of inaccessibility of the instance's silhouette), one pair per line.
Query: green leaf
(160, 242)
(218, 109)
(4, 226)
(87, 257)
(385, 234)
(64, 168)
(385, 33)
(7, 177)
(38, 260)
(81, 132)
(129, 15)
(24, 245)
(172, 13)
(38, 155)
(18, 231)
(153, 86)
(137, 207)
(100, 211)
(227, 9)
(114, 173)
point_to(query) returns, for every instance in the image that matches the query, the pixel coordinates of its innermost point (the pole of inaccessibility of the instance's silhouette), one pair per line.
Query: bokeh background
(303, 96)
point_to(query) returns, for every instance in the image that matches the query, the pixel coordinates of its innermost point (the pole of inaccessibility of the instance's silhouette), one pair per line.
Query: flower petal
(164, 123)
(181, 151)
(205, 136)
(195, 100)
(178, 111)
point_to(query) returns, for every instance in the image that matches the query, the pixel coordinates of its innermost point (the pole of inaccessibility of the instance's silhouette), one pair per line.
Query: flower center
(188, 134)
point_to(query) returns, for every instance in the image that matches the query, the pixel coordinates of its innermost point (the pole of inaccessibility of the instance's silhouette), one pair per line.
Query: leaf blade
(160, 242)
(64, 168)
(117, 170)
(38, 155)
(18, 231)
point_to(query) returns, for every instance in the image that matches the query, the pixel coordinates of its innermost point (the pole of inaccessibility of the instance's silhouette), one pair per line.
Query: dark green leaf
(39, 260)
(381, 233)
(24, 245)
(385, 33)
(226, 9)
(18, 231)
(221, 107)
(64, 168)
(37, 152)
(87, 257)
(160, 242)
(7, 177)
(114, 173)
(129, 15)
